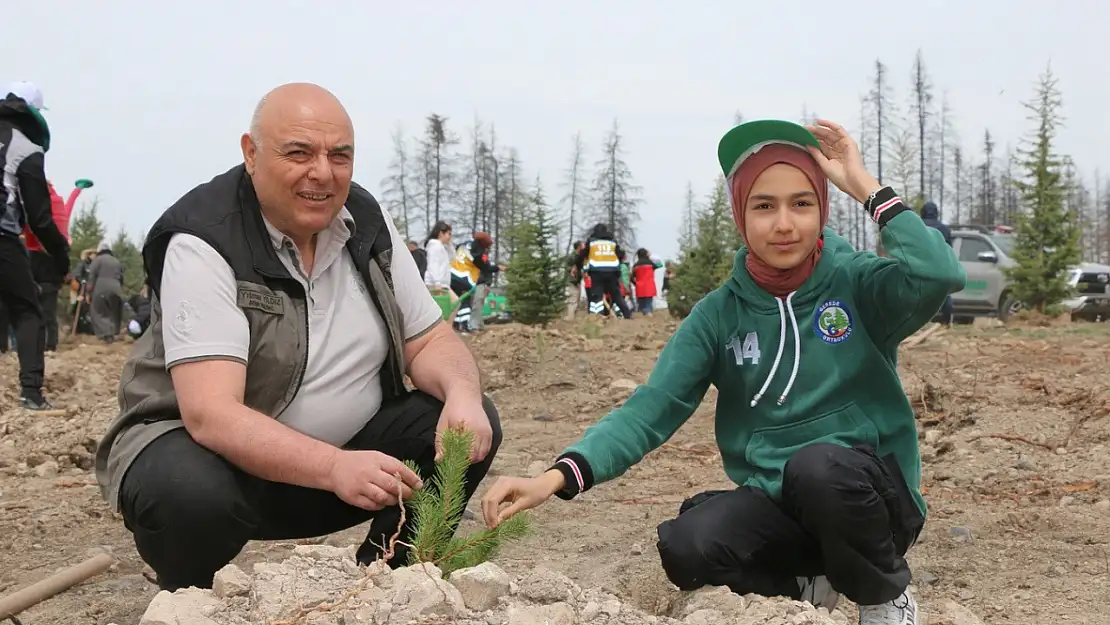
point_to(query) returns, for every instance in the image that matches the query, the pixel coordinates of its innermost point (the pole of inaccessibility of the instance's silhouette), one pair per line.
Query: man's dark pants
(191, 511)
(21, 300)
(845, 513)
(50, 283)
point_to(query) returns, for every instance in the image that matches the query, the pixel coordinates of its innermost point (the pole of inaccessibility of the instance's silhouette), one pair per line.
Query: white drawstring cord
(797, 350)
(778, 356)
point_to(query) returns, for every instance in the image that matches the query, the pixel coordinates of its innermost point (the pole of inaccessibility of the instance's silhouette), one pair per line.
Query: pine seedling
(437, 508)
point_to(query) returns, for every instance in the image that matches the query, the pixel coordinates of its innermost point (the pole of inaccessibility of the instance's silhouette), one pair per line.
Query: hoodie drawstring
(778, 355)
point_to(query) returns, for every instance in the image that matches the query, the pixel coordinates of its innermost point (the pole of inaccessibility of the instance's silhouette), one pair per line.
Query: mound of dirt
(322, 585)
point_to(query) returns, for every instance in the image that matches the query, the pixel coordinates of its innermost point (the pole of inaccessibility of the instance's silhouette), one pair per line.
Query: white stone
(542, 585)
(47, 469)
(718, 598)
(481, 586)
(324, 552)
(553, 614)
(231, 581)
(422, 591)
(623, 385)
(183, 607)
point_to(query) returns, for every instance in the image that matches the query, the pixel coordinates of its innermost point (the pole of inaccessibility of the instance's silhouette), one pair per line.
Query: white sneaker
(818, 592)
(901, 611)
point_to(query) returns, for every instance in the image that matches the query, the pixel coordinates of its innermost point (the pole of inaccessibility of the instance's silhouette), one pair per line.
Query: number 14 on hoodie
(748, 350)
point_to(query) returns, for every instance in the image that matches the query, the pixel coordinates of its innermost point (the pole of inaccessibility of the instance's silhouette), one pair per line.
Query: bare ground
(1014, 423)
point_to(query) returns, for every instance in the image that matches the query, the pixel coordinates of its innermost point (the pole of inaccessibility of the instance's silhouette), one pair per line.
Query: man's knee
(176, 488)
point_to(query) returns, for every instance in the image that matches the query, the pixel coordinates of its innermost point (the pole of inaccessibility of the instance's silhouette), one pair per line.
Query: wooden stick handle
(24, 598)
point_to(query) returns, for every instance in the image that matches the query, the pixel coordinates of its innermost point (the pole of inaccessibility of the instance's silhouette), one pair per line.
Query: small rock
(1025, 463)
(932, 437)
(542, 585)
(324, 552)
(422, 590)
(623, 385)
(481, 586)
(961, 534)
(718, 598)
(611, 607)
(928, 453)
(1060, 451)
(1103, 505)
(925, 578)
(1066, 500)
(543, 417)
(47, 469)
(953, 613)
(637, 549)
(183, 607)
(231, 581)
(590, 611)
(554, 614)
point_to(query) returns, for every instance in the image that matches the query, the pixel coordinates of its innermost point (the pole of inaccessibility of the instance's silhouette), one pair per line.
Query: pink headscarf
(779, 282)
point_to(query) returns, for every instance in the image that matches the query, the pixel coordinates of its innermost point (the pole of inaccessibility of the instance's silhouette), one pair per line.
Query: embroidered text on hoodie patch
(833, 322)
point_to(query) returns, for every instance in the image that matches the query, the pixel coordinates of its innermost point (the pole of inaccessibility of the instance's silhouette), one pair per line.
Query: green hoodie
(840, 387)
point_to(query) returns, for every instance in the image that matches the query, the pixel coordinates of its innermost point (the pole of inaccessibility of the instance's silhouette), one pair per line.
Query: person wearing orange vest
(600, 259)
(470, 259)
(643, 279)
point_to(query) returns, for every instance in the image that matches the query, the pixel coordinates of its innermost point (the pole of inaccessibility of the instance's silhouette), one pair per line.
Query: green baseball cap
(746, 139)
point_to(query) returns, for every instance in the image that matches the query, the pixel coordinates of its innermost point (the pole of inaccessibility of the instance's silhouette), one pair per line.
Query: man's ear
(250, 151)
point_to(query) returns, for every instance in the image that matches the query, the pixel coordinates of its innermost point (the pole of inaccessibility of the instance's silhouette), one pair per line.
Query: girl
(643, 278)
(812, 423)
(438, 274)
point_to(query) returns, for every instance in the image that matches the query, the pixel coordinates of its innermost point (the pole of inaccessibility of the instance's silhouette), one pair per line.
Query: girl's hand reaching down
(521, 493)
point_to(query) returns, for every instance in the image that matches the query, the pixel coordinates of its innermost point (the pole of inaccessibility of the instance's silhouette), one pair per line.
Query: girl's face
(782, 217)
(445, 236)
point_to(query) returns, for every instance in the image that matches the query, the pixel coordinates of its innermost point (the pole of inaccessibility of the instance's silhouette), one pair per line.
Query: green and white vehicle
(985, 251)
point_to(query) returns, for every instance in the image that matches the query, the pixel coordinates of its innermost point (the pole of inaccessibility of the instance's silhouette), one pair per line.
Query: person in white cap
(25, 201)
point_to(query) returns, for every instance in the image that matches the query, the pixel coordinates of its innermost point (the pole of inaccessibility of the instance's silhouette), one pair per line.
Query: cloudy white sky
(149, 98)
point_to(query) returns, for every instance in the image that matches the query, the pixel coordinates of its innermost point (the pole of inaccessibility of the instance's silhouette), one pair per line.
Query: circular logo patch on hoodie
(833, 322)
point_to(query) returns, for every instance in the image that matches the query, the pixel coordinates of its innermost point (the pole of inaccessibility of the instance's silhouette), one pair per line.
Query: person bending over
(813, 425)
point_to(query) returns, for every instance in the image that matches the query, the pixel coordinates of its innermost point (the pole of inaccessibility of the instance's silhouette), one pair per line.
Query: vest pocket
(770, 448)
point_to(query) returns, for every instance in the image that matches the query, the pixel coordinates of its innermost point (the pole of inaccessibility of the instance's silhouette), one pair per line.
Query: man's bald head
(296, 99)
(300, 153)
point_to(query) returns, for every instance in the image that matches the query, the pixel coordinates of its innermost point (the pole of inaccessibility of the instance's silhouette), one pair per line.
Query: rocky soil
(1014, 430)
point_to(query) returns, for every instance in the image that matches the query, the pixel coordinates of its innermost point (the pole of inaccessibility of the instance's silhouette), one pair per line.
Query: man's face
(301, 168)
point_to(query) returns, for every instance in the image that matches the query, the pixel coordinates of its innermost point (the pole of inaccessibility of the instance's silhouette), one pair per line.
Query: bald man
(267, 400)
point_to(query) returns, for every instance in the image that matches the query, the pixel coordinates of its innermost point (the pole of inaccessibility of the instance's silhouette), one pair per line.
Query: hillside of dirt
(1013, 423)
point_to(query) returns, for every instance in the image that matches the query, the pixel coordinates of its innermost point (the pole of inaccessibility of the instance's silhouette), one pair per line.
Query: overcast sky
(149, 98)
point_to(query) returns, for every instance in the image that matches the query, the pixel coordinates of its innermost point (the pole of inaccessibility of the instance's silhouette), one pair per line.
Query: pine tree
(616, 197)
(437, 508)
(537, 280)
(707, 263)
(86, 231)
(1046, 245)
(131, 257)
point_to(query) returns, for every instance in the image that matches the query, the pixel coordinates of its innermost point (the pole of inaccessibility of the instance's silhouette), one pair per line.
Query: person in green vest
(813, 425)
(626, 284)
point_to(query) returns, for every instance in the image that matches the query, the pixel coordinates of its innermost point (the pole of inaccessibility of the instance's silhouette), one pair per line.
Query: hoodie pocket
(770, 448)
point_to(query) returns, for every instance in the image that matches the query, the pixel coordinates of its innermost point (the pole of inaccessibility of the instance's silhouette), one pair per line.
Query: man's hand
(368, 479)
(522, 493)
(466, 414)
